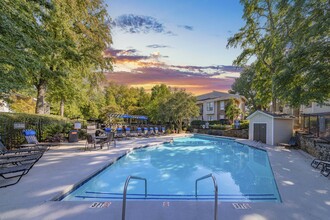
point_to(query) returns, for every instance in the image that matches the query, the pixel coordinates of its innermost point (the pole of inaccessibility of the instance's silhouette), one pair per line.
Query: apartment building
(213, 105)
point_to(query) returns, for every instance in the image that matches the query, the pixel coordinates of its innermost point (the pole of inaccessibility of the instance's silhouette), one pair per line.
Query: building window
(222, 105)
(210, 118)
(222, 116)
(209, 106)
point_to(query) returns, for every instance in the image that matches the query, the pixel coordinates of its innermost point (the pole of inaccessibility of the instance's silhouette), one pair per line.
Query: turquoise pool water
(243, 173)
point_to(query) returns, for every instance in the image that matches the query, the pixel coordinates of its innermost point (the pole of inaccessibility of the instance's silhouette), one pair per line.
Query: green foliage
(179, 107)
(232, 110)
(219, 127)
(289, 40)
(43, 125)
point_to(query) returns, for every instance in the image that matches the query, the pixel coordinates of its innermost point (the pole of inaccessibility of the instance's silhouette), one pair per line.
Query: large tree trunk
(62, 108)
(41, 89)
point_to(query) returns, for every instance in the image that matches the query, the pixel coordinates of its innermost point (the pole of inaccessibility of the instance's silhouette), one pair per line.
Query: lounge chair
(325, 166)
(151, 131)
(32, 141)
(163, 130)
(325, 170)
(156, 131)
(139, 131)
(16, 166)
(119, 133)
(19, 158)
(317, 162)
(4, 150)
(292, 143)
(145, 132)
(14, 171)
(128, 132)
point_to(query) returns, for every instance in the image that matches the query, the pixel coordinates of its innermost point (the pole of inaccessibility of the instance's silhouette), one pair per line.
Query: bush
(244, 124)
(218, 127)
(197, 123)
(45, 126)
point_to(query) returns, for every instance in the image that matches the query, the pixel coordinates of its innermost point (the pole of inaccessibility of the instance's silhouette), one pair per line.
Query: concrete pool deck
(304, 191)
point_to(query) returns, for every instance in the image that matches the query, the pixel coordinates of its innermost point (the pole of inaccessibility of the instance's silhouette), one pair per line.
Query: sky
(181, 43)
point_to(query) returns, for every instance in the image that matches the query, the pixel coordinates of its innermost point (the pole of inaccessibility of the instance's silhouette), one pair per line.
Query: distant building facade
(213, 105)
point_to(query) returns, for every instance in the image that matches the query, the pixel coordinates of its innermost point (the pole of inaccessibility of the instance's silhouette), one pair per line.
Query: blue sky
(181, 43)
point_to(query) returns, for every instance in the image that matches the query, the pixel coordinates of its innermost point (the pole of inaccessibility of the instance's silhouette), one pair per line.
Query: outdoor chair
(32, 141)
(90, 141)
(139, 131)
(145, 132)
(292, 143)
(119, 133)
(151, 131)
(110, 138)
(4, 150)
(16, 166)
(317, 162)
(156, 131)
(325, 170)
(128, 132)
(325, 166)
(163, 130)
(14, 171)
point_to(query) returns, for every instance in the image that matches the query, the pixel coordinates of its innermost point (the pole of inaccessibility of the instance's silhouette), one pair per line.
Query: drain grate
(241, 205)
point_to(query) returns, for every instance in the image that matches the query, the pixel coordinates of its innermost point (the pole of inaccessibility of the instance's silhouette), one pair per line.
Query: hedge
(46, 126)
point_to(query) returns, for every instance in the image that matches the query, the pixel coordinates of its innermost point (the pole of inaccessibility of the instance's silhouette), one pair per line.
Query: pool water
(243, 173)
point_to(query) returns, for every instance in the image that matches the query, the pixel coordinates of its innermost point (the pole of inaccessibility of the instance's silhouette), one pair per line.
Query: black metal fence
(11, 127)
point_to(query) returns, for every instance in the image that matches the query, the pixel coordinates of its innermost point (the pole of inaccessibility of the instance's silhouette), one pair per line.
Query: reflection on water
(242, 172)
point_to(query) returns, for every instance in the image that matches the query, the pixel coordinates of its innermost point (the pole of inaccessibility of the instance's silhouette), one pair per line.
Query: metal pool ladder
(215, 192)
(125, 192)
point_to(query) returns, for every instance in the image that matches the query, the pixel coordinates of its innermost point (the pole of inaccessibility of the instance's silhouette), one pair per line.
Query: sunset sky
(181, 43)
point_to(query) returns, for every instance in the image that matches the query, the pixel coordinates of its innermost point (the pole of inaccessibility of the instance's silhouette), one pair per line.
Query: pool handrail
(215, 192)
(125, 192)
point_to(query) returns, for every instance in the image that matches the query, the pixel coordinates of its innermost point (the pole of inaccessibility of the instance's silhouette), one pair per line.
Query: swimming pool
(243, 173)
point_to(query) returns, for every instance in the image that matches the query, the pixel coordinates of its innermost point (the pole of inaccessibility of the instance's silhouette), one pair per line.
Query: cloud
(187, 27)
(147, 77)
(132, 68)
(133, 56)
(131, 23)
(155, 46)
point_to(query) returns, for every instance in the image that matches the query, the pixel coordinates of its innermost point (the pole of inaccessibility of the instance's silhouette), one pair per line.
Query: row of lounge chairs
(110, 136)
(140, 132)
(14, 164)
(325, 171)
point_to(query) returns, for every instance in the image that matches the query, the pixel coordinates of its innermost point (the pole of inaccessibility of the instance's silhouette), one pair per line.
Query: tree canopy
(290, 43)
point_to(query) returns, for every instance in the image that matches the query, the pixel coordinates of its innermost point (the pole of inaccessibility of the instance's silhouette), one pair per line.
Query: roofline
(265, 113)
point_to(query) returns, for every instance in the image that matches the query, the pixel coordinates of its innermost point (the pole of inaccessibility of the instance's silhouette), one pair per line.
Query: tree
(246, 86)
(159, 94)
(79, 37)
(290, 40)
(305, 70)
(260, 38)
(22, 40)
(232, 110)
(179, 107)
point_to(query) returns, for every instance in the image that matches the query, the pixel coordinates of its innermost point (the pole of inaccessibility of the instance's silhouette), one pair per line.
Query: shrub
(45, 126)
(218, 127)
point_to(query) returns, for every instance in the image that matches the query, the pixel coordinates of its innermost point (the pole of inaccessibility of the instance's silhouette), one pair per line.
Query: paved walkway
(305, 193)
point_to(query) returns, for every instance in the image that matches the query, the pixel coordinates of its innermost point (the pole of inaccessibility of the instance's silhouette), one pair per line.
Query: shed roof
(272, 115)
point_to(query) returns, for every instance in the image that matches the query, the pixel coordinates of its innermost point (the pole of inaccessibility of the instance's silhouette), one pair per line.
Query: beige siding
(284, 130)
